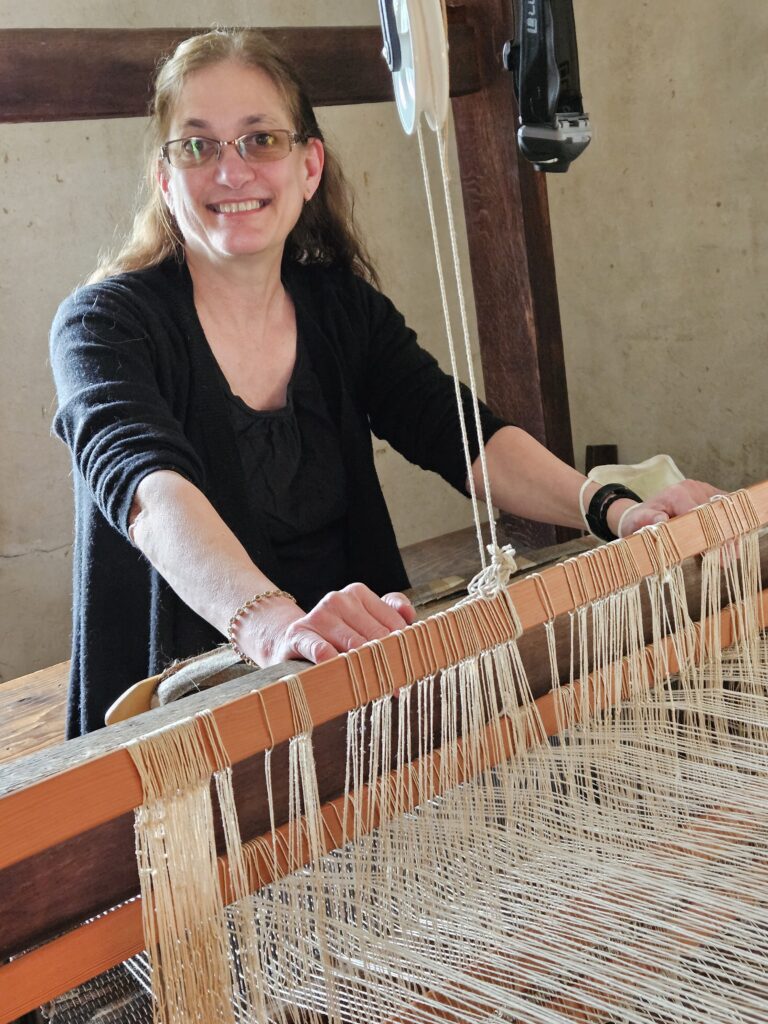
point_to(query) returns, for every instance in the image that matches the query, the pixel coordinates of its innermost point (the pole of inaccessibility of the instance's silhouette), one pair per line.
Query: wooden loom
(64, 815)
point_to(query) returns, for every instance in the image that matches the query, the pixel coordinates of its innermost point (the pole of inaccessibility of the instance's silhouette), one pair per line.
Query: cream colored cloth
(644, 478)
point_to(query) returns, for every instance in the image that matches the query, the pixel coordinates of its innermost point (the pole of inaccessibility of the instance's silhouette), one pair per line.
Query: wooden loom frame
(518, 319)
(49, 810)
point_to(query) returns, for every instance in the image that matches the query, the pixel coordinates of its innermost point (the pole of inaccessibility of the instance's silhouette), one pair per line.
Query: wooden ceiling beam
(72, 74)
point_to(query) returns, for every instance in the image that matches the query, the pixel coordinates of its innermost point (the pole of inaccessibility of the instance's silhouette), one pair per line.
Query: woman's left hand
(672, 501)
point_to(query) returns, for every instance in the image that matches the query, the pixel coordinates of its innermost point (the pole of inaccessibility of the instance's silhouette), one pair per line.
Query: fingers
(640, 516)
(346, 619)
(342, 621)
(672, 501)
(707, 490)
(304, 642)
(402, 606)
(681, 498)
(364, 612)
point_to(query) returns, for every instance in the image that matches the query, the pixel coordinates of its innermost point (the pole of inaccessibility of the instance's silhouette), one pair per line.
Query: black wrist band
(597, 513)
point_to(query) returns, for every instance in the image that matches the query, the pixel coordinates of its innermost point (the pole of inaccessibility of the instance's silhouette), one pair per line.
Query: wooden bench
(32, 711)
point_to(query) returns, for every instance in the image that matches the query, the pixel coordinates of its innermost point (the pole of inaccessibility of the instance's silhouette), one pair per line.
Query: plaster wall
(67, 191)
(660, 234)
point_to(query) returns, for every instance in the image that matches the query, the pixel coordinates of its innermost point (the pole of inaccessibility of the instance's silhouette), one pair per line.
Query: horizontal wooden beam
(72, 74)
(69, 810)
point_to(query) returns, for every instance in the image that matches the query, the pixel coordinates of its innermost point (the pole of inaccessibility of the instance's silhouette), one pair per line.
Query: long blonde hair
(325, 232)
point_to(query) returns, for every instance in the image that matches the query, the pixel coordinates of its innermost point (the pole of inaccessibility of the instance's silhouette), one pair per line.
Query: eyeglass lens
(256, 147)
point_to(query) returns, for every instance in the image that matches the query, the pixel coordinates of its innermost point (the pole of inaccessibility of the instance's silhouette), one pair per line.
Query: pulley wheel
(421, 84)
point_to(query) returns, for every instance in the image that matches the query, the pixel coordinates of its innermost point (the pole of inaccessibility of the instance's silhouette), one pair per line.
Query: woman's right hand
(276, 630)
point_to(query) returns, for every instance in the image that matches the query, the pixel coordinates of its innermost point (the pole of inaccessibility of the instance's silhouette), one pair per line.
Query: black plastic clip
(544, 62)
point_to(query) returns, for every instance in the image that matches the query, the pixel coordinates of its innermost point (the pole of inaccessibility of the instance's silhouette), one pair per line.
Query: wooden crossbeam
(70, 74)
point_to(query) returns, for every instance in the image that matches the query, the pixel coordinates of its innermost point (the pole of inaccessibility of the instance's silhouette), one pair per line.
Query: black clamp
(544, 62)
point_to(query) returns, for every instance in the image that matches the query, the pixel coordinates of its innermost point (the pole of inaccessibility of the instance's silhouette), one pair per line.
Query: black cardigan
(139, 391)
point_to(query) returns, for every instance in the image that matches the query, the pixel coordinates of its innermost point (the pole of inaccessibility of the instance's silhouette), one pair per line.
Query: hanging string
(442, 150)
(452, 354)
(502, 559)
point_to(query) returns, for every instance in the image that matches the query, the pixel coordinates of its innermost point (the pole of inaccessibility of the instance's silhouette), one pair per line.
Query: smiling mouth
(244, 207)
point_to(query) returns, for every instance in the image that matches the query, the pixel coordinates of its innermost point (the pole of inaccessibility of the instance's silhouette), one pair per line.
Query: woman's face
(230, 209)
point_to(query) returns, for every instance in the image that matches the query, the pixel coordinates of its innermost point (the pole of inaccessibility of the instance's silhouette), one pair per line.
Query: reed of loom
(56, 826)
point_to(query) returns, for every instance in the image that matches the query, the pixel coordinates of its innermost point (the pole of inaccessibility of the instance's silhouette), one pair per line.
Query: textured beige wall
(661, 236)
(67, 190)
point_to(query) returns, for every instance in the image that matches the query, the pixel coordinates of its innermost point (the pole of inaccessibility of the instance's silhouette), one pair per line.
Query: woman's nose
(231, 169)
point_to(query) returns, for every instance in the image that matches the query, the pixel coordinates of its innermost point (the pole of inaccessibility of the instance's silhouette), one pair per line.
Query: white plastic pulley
(421, 84)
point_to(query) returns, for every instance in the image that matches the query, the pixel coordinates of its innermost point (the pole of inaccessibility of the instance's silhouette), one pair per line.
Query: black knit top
(296, 483)
(139, 390)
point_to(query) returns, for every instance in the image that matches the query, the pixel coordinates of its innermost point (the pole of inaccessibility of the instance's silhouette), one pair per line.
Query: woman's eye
(196, 148)
(261, 140)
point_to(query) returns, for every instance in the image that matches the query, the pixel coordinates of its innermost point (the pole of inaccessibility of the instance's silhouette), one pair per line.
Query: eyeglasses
(254, 148)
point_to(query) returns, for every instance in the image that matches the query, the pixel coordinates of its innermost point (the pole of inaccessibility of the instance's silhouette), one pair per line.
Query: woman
(218, 383)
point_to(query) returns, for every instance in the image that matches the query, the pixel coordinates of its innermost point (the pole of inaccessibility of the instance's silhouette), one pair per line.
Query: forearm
(175, 526)
(528, 480)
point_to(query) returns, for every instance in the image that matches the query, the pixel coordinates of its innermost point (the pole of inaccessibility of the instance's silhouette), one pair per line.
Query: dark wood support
(510, 247)
(600, 455)
(72, 74)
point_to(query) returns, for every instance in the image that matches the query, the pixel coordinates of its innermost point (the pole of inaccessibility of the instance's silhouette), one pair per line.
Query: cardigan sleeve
(113, 414)
(411, 401)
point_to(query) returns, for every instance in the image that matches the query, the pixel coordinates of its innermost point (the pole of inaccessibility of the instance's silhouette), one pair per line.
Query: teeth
(251, 204)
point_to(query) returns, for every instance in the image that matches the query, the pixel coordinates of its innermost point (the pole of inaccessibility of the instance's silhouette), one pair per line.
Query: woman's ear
(164, 182)
(314, 159)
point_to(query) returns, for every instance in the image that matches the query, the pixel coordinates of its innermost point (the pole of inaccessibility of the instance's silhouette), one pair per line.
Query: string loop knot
(495, 576)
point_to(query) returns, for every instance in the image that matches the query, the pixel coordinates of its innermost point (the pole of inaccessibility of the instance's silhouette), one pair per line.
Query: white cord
(621, 519)
(439, 117)
(452, 353)
(582, 504)
(442, 146)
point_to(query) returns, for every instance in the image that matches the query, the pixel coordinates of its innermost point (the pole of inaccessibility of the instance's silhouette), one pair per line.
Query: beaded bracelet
(242, 611)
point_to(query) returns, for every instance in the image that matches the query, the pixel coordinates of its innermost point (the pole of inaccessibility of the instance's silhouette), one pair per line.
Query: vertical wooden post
(510, 248)
(600, 455)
